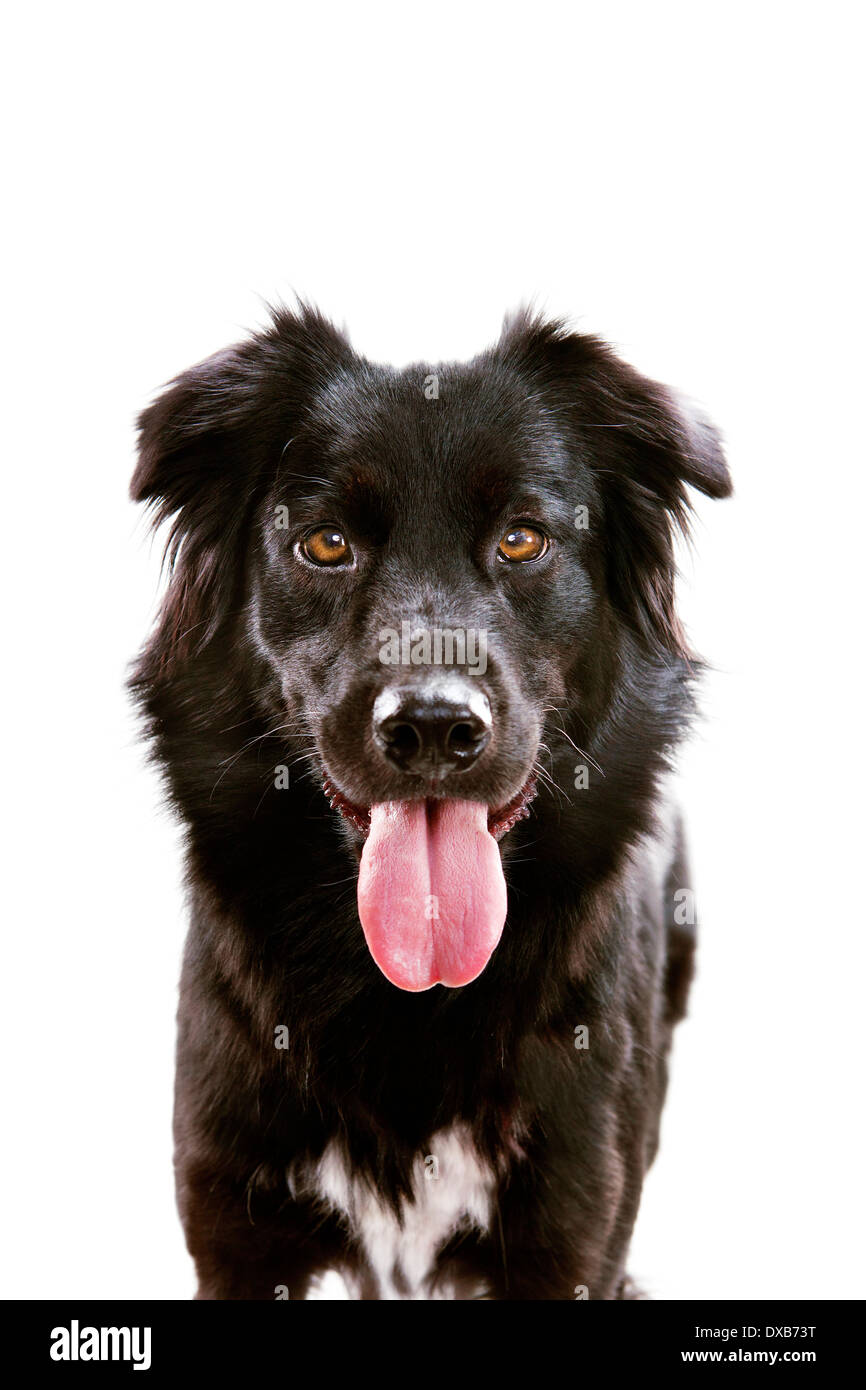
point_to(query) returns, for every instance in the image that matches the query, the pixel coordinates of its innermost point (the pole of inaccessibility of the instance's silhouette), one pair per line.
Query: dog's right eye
(327, 546)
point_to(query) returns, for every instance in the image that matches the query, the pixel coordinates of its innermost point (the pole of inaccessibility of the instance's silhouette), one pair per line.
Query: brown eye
(327, 546)
(522, 543)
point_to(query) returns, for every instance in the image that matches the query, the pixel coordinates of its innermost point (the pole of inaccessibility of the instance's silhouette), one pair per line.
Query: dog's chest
(452, 1191)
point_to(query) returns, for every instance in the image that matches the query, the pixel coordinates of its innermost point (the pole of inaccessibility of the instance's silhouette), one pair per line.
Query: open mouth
(431, 892)
(498, 822)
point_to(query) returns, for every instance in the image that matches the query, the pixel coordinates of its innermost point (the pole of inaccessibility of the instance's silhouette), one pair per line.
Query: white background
(681, 178)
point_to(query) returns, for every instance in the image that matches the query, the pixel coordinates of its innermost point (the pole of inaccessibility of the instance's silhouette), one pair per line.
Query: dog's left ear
(658, 446)
(646, 447)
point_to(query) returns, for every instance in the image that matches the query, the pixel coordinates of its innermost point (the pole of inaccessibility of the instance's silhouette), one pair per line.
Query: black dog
(419, 644)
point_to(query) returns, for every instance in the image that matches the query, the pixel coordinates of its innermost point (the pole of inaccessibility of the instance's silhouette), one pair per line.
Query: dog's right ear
(194, 473)
(183, 433)
(203, 446)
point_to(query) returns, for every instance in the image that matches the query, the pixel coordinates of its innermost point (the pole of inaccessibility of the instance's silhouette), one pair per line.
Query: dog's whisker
(581, 751)
(245, 748)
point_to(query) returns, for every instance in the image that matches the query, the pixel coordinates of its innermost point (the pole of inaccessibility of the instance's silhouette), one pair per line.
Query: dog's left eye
(522, 543)
(327, 546)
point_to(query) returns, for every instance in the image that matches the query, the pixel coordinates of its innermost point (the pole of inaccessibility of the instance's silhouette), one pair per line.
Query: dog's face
(431, 562)
(420, 587)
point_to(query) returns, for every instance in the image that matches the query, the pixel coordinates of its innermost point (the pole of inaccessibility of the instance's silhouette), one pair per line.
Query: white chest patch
(452, 1190)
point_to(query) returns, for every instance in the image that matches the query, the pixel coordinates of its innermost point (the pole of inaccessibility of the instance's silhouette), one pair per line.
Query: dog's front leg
(568, 1203)
(253, 1243)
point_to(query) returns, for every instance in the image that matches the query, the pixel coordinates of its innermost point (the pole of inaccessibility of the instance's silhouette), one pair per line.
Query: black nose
(430, 734)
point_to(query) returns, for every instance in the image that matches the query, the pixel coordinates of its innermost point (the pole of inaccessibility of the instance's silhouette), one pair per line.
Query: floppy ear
(204, 445)
(658, 448)
(195, 474)
(646, 447)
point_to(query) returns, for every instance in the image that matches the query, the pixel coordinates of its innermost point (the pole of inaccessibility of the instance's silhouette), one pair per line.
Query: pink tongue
(431, 893)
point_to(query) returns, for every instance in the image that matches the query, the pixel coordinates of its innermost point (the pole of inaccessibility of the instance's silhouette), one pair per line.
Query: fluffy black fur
(258, 661)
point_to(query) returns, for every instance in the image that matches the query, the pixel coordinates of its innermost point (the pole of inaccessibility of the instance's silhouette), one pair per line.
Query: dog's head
(424, 563)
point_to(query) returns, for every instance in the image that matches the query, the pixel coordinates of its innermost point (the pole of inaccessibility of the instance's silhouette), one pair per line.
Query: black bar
(294, 1340)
